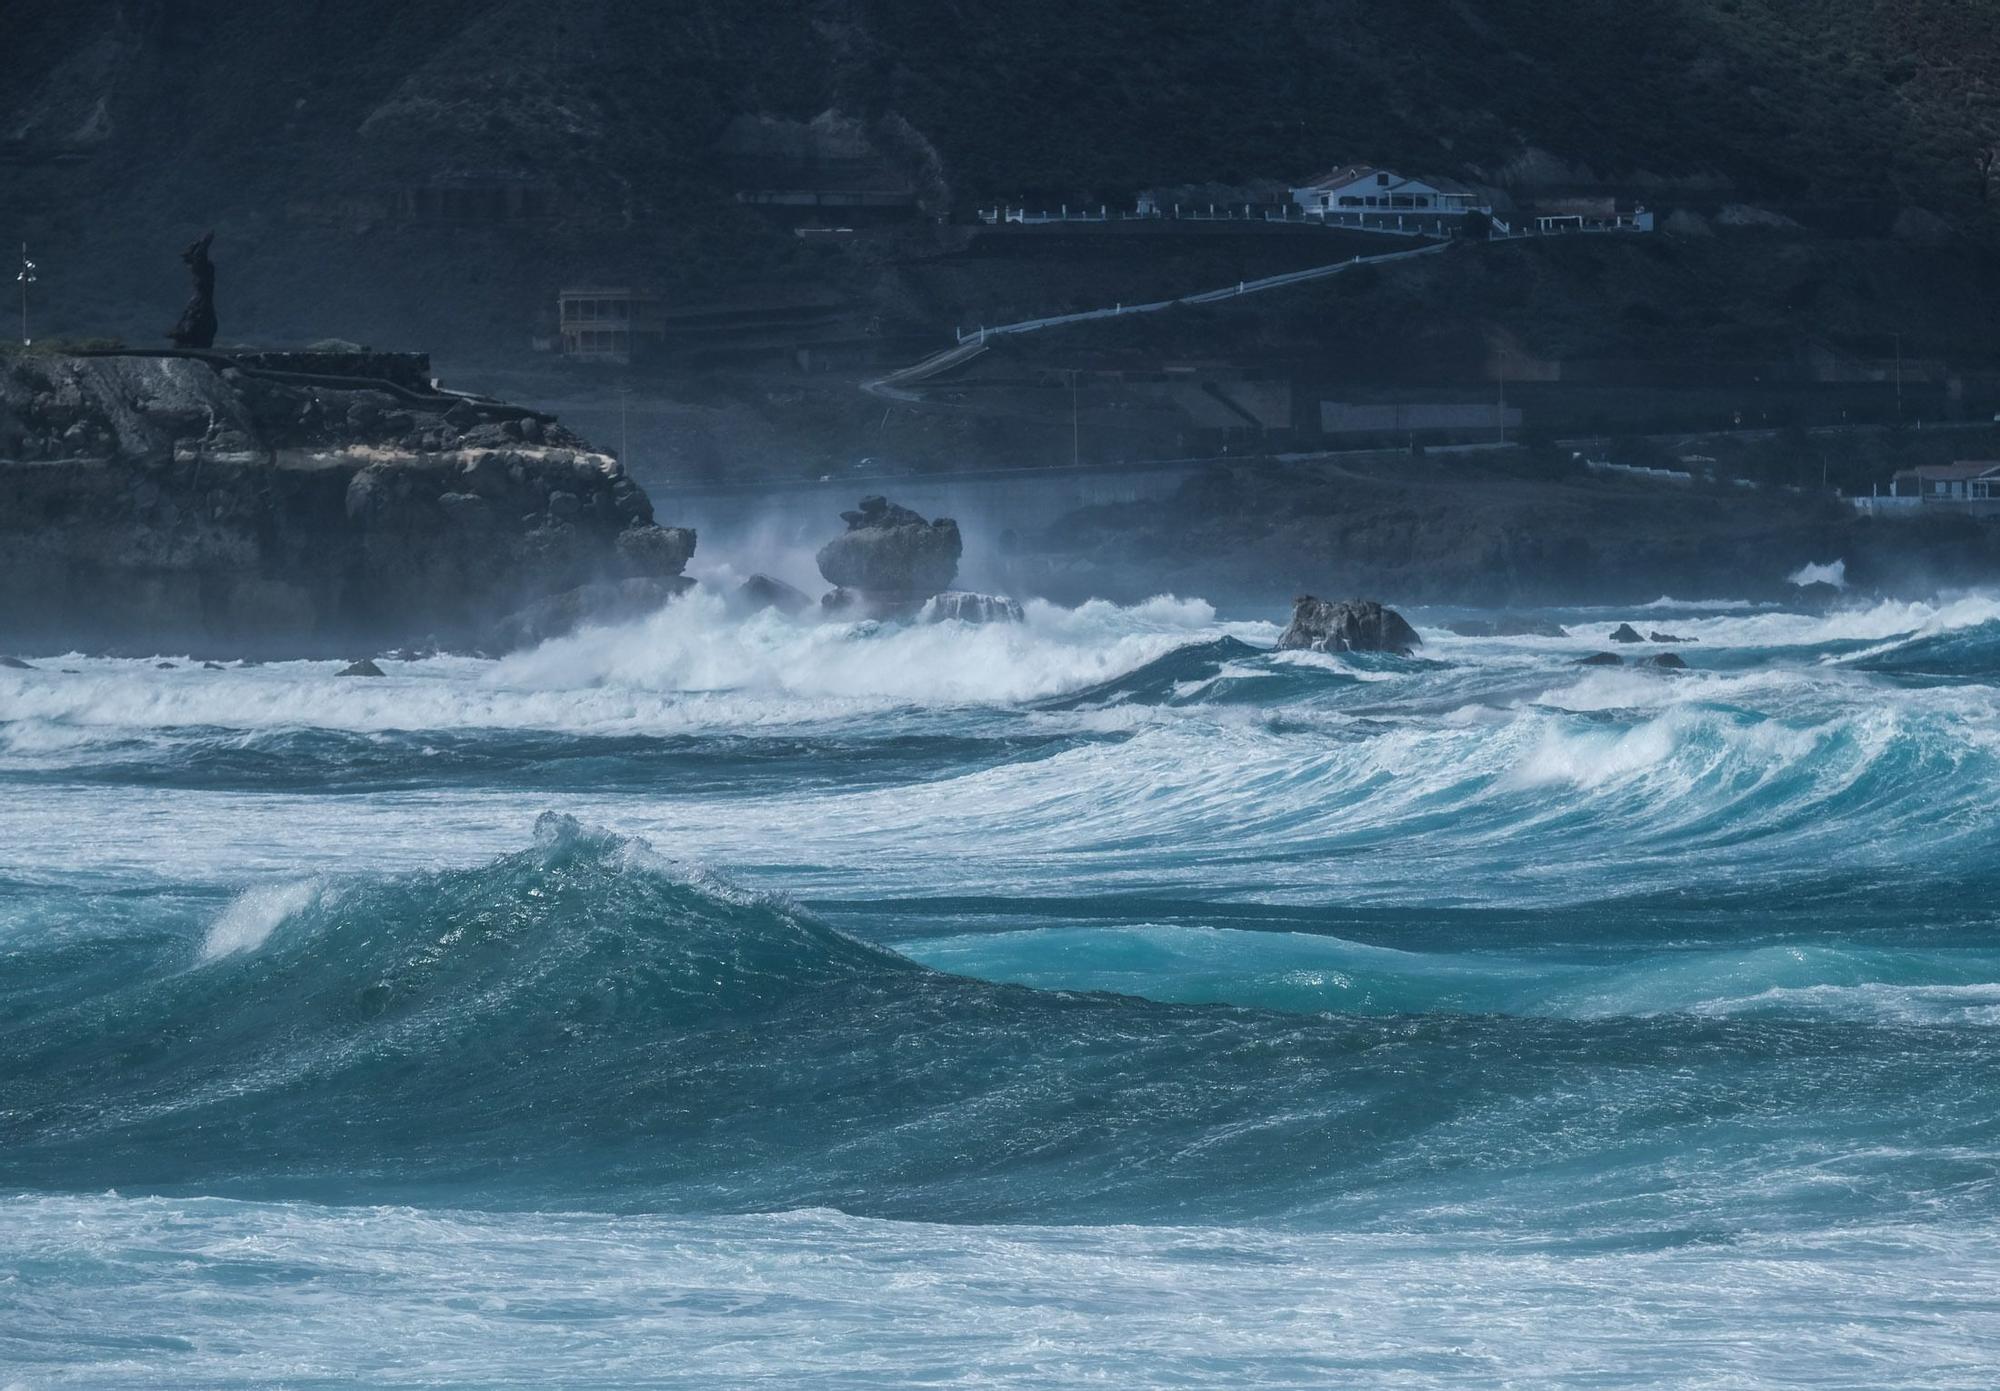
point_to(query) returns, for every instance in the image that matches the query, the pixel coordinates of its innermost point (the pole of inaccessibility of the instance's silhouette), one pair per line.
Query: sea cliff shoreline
(217, 504)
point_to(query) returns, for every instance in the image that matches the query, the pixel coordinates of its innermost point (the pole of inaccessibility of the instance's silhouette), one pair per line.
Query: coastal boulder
(890, 557)
(1625, 632)
(1355, 625)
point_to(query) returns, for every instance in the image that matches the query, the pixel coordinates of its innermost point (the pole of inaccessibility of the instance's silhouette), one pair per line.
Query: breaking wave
(586, 1018)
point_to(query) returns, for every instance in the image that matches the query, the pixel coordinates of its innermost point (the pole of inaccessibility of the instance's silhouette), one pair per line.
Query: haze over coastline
(859, 693)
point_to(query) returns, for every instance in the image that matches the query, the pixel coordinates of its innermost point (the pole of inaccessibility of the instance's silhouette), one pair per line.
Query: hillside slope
(309, 135)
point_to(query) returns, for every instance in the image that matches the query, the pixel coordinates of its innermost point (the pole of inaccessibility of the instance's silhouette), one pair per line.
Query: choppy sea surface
(1101, 1000)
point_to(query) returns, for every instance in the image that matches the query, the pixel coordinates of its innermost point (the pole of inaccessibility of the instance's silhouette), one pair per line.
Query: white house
(1965, 481)
(1363, 192)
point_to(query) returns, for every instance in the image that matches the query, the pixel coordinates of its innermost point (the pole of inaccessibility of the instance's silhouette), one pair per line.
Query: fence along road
(896, 386)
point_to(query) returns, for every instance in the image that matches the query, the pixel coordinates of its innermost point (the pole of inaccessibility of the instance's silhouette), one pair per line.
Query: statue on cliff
(197, 326)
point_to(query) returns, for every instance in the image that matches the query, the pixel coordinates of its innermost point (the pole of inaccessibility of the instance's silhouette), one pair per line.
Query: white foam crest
(202, 1291)
(256, 913)
(1593, 759)
(693, 646)
(1833, 573)
(1889, 618)
(688, 667)
(1627, 688)
(1668, 601)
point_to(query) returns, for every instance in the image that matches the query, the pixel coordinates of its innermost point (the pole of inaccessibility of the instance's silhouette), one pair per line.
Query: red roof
(1952, 473)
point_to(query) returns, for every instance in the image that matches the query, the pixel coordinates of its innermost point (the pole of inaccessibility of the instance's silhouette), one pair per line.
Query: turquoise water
(1101, 999)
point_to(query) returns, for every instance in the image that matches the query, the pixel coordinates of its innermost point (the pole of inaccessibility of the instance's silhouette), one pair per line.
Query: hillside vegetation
(131, 125)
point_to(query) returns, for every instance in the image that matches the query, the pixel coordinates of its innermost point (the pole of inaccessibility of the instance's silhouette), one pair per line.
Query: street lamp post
(26, 277)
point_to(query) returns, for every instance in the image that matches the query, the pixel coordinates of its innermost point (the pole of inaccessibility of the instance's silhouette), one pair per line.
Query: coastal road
(896, 386)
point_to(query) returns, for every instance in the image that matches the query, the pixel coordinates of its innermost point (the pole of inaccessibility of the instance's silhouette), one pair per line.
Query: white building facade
(1362, 193)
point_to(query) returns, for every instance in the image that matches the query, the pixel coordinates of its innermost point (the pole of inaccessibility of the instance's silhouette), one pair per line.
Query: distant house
(608, 325)
(1967, 481)
(1364, 195)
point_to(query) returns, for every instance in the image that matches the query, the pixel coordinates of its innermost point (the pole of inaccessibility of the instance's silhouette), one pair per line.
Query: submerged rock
(877, 605)
(761, 592)
(617, 601)
(1601, 659)
(1625, 632)
(889, 557)
(364, 667)
(1658, 636)
(1669, 660)
(964, 606)
(15, 664)
(1819, 596)
(1355, 625)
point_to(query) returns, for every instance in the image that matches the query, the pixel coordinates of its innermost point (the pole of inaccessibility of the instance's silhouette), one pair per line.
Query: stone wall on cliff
(150, 502)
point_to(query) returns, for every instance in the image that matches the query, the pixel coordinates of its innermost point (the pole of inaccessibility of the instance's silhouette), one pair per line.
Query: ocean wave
(588, 1021)
(271, 1294)
(692, 645)
(1302, 972)
(688, 668)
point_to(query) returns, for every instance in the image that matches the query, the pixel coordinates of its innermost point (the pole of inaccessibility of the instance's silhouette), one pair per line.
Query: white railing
(1396, 223)
(1003, 213)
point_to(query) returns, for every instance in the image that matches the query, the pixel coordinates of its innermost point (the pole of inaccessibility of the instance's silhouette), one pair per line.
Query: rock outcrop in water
(889, 561)
(1355, 625)
(761, 592)
(294, 503)
(602, 603)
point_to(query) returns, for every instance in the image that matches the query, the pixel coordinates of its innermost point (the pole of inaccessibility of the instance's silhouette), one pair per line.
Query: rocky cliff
(294, 504)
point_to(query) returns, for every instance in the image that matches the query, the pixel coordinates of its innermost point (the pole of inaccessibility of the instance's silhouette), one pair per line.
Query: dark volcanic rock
(1601, 659)
(964, 606)
(1670, 660)
(655, 552)
(151, 503)
(1625, 632)
(618, 601)
(864, 604)
(1657, 636)
(761, 592)
(891, 555)
(364, 667)
(1358, 625)
(15, 664)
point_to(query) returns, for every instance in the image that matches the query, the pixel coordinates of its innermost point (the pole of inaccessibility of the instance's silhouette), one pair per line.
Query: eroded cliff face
(153, 503)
